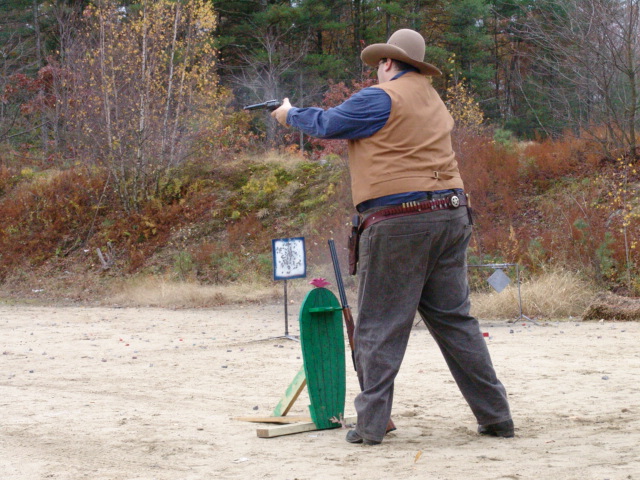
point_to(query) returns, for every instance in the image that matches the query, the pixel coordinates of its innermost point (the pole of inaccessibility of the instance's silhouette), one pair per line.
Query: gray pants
(419, 263)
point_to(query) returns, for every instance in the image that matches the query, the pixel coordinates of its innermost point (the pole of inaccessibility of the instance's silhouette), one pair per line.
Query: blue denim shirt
(360, 116)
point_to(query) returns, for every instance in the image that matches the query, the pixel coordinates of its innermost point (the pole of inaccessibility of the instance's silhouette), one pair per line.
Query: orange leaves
(554, 158)
(46, 216)
(33, 94)
(553, 203)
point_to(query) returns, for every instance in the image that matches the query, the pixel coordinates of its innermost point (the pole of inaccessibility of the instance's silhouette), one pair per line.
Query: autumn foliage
(142, 79)
(127, 144)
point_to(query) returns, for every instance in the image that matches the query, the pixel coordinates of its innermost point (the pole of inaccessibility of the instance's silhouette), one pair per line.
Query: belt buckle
(454, 201)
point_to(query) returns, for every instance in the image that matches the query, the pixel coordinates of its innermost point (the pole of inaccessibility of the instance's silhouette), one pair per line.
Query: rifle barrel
(336, 270)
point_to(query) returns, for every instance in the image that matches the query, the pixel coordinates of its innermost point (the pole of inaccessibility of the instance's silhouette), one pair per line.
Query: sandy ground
(107, 393)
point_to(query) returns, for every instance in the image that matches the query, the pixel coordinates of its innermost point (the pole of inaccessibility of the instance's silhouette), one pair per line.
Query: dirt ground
(137, 393)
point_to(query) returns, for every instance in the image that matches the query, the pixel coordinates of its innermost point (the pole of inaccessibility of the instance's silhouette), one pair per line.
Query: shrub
(145, 77)
(553, 159)
(51, 214)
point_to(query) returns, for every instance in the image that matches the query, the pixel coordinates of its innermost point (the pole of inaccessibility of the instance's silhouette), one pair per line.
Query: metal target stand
(499, 281)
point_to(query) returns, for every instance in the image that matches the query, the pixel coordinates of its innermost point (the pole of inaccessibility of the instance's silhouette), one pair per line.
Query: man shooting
(415, 231)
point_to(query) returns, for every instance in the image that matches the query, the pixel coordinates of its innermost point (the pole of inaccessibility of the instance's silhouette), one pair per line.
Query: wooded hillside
(121, 129)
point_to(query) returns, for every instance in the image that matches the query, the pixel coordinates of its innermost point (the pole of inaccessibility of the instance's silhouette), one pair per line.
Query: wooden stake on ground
(291, 394)
(270, 432)
(274, 419)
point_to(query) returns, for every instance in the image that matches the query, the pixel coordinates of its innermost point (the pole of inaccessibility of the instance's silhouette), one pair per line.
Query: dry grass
(160, 292)
(169, 293)
(271, 157)
(289, 159)
(556, 294)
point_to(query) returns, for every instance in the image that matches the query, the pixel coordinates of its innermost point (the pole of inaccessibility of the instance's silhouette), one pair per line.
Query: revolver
(270, 105)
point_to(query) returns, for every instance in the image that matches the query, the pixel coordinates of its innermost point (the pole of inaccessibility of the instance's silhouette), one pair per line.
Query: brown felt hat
(404, 45)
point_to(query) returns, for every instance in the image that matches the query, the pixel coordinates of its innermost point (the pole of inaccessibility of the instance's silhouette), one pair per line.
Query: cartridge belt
(452, 201)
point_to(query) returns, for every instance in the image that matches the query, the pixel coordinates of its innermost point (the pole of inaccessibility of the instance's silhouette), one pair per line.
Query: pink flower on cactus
(319, 282)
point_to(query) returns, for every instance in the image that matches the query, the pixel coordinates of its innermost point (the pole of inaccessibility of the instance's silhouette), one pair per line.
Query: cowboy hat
(404, 45)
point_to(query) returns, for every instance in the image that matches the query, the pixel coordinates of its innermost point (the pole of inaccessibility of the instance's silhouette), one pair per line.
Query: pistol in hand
(270, 105)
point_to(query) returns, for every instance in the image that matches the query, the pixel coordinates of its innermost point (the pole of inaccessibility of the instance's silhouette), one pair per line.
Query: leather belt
(452, 201)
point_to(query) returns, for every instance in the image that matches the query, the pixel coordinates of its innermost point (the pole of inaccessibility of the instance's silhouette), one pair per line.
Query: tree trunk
(44, 131)
(633, 31)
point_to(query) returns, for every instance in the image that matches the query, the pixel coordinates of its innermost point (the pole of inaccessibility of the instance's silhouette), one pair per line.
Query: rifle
(346, 310)
(270, 105)
(348, 318)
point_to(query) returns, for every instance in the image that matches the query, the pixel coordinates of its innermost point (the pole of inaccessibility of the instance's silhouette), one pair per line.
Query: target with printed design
(289, 258)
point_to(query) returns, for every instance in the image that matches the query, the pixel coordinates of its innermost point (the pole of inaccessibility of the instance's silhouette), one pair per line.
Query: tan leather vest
(413, 151)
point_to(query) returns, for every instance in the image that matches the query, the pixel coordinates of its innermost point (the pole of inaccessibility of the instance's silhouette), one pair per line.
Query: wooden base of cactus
(292, 424)
(297, 427)
(323, 371)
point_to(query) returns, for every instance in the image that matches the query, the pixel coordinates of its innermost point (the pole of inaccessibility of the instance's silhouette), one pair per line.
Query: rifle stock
(346, 314)
(348, 321)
